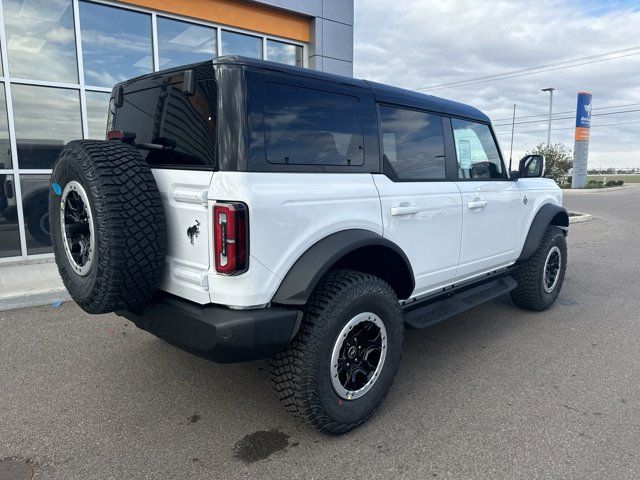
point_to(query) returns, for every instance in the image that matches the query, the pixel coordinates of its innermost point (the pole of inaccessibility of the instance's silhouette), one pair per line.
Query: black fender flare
(298, 284)
(549, 214)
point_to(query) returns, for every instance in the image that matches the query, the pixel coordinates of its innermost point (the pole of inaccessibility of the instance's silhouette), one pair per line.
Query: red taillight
(121, 135)
(230, 237)
(115, 135)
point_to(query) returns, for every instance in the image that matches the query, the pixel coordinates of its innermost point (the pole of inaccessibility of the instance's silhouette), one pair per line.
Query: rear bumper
(218, 333)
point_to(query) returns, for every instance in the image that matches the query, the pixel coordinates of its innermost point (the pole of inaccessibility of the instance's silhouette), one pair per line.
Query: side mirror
(514, 175)
(532, 166)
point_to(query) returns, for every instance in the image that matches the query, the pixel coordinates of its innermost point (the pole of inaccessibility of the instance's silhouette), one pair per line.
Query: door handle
(477, 204)
(404, 209)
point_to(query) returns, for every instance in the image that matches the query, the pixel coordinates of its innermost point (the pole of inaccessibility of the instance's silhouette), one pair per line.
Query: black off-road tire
(530, 293)
(301, 374)
(128, 223)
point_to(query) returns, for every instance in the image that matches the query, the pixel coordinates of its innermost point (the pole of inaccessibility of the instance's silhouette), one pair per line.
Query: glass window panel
(45, 120)
(284, 53)
(185, 124)
(41, 42)
(234, 43)
(413, 143)
(476, 151)
(5, 146)
(312, 127)
(116, 44)
(9, 233)
(97, 111)
(35, 206)
(180, 43)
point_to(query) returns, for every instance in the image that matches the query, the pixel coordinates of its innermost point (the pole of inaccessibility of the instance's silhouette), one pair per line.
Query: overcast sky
(421, 43)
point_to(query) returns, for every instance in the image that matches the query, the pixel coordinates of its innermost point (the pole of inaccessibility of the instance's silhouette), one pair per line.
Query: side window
(312, 127)
(477, 152)
(412, 143)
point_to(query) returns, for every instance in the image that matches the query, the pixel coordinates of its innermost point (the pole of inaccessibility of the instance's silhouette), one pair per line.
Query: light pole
(513, 126)
(550, 90)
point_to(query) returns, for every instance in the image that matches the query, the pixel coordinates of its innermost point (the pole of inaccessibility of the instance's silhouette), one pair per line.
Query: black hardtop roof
(383, 93)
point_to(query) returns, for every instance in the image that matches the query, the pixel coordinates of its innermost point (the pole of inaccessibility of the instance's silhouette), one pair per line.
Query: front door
(421, 210)
(492, 204)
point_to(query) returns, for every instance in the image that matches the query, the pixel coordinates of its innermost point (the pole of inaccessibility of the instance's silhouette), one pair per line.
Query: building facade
(60, 58)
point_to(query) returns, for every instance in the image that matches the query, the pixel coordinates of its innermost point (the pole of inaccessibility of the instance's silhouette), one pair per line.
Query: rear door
(421, 209)
(491, 202)
(175, 133)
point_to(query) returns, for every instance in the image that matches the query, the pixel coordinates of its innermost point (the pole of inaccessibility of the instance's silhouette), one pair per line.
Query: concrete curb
(30, 285)
(35, 299)
(569, 191)
(579, 217)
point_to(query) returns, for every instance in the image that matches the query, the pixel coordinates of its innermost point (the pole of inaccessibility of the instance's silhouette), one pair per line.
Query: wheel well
(560, 219)
(383, 262)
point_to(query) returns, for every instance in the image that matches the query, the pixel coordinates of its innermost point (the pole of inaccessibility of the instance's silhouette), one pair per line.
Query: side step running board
(429, 313)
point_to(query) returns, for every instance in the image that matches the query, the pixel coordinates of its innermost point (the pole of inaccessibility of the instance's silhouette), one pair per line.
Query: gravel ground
(495, 393)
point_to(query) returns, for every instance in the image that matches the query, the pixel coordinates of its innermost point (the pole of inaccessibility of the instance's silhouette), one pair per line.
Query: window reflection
(97, 110)
(9, 234)
(116, 44)
(5, 146)
(476, 150)
(284, 53)
(305, 126)
(234, 43)
(40, 40)
(413, 143)
(35, 206)
(180, 43)
(165, 115)
(45, 119)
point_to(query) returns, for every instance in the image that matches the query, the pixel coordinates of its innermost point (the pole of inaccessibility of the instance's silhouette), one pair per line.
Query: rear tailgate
(174, 127)
(184, 196)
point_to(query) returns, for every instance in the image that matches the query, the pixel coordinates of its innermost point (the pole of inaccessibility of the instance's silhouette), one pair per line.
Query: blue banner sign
(583, 112)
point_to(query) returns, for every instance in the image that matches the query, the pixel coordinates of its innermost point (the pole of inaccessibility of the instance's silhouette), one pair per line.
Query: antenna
(513, 126)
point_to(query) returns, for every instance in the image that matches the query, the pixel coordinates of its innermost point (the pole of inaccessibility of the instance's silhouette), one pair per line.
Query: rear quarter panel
(288, 213)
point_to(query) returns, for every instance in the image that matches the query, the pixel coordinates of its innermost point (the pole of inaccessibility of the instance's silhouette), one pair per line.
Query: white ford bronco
(242, 209)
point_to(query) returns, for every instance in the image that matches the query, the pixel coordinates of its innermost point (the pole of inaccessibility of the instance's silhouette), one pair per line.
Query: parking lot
(495, 393)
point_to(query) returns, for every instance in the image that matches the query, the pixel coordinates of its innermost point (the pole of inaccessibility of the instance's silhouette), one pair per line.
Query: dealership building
(60, 58)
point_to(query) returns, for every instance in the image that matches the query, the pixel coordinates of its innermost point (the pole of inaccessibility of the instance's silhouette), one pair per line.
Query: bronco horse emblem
(193, 231)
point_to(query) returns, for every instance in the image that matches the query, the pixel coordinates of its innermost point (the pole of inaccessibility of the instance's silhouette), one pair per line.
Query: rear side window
(184, 125)
(477, 152)
(312, 127)
(413, 143)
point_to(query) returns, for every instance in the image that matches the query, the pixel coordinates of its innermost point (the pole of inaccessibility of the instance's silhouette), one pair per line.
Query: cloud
(61, 35)
(418, 43)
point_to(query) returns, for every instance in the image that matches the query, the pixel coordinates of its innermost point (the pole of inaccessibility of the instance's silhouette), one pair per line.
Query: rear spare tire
(107, 225)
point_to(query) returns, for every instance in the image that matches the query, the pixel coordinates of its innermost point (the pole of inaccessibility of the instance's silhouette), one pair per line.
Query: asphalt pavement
(495, 393)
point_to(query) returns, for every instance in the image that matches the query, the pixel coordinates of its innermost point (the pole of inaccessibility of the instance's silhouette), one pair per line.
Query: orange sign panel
(582, 134)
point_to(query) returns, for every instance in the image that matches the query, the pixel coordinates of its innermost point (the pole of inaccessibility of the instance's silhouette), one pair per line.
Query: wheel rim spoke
(358, 356)
(551, 270)
(77, 227)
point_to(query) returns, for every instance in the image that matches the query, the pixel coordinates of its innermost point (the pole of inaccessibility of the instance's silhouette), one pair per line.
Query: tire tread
(295, 388)
(130, 222)
(529, 293)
